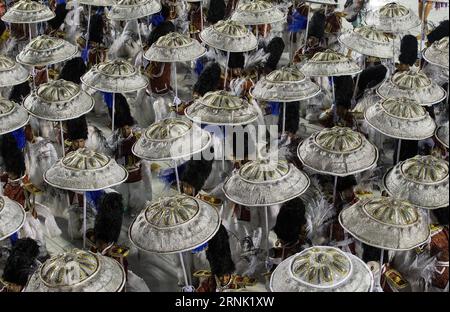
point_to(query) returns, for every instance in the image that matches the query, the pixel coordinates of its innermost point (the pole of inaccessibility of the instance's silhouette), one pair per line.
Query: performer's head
(162, 29)
(73, 70)
(122, 116)
(20, 264)
(441, 216)
(275, 49)
(236, 63)
(20, 92)
(77, 132)
(370, 77)
(96, 29)
(218, 254)
(108, 222)
(441, 31)
(13, 157)
(316, 29)
(60, 15)
(408, 52)
(343, 86)
(216, 11)
(194, 176)
(345, 188)
(292, 121)
(208, 80)
(290, 225)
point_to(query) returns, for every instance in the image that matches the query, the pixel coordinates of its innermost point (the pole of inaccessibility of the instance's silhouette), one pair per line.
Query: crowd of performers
(234, 259)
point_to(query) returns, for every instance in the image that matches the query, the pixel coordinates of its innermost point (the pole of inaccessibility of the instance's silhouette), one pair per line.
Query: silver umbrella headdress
(174, 224)
(338, 151)
(257, 12)
(393, 18)
(116, 76)
(171, 138)
(330, 63)
(287, 84)
(12, 116)
(437, 53)
(221, 108)
(11, 72)
(414, 85)
(369, 41)
(78, 271)
(133, 9)
(45, 50)
(265, 182)
(58, 100)
(28, 12)
(401, 119)
(175, 47)
(421, 180)
(85, 170)
(322, 269)
(227, 35)
(12, 217)
(442, 134)
(386, 223)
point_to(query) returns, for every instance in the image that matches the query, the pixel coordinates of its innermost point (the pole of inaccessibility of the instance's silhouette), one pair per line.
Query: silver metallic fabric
(175, 47)
(393, 18)
(265, 182)
(11, 72)
(437, 53)
(221, 108)
(322, 269)
(58, 100)
(133, 9)
(45, 50)
(12, 116)
(401, 119)
(421, 180)
(174, 224)
(85, 170)
(442, 134)
(257, 12)
(330, 63)
(367, 40)
(227, 35)
(116, 76)
(28, 12)
(78, 271)
(287, 84)
(171, 139)
(414, 85)
(337, 151)
(386, 223)
(12, 217)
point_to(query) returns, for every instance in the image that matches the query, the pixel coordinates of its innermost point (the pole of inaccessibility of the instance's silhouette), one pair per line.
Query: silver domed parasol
(12, 116)
(442, 134)
(401, 119)
(386, 223)
(258, 12)
(12, 73)
(229, 36)
(437, 53)
(28, 12)
(115, 76)
(133, 9)
(369, 41)
(78, 271)
(221, 108)
(84, 170)
(414, 85)
(285, 85)
(58, 100)
(421, 180)
(338, 151)
(330, 63)
(12, 217)
(393, 18)
(174, 224)
(322, 269)
(172, 48)
(45, 50)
